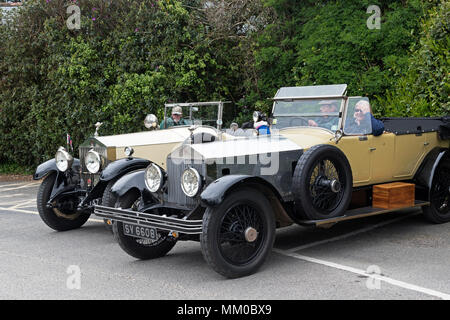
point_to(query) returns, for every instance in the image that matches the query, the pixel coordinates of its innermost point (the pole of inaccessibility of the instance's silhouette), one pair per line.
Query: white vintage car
(71, 187)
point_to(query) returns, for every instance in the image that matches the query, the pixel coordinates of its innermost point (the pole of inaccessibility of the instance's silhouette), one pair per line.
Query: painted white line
(351, 234)
(12, 184)
(28, 185)
(37, 213)
(14, 203)
(12, 195)
(391, 281)
(23, 204)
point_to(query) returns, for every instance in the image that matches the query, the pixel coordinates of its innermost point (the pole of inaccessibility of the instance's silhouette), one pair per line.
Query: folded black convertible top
(401, 126)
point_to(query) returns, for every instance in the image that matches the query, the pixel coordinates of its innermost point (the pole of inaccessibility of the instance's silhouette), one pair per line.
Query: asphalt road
(395, 256)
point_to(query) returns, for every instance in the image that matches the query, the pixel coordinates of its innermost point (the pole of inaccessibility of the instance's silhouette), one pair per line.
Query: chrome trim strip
(150, 220)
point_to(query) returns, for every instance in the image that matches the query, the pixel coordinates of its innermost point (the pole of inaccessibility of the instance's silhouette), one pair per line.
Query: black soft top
(401, 126)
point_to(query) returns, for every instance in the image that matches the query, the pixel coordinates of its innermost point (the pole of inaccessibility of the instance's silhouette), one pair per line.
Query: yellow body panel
(373, 160)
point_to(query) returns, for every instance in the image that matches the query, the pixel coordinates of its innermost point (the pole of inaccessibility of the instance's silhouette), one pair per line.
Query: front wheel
(109, 199)
(142, 249)
(238, 235)
(64, 214)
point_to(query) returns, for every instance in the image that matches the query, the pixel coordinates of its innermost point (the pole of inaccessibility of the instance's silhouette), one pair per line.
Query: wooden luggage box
(393, 195)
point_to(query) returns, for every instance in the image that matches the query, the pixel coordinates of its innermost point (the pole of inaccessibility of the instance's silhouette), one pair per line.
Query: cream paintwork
(151, 145)
(374, 160)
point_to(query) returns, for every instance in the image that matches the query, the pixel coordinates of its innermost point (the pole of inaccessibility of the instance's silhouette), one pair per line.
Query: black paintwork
(113, 171)
(122, 166)
(401, 126)
(425, 174)
(133, 180)
(50, 166)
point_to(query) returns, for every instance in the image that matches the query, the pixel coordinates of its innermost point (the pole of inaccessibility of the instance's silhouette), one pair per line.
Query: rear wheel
(143, 249)
(238, 234)
(439, 209)
(64, 214)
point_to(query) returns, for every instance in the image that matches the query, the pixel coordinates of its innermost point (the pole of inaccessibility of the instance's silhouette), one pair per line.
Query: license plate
(140, 232)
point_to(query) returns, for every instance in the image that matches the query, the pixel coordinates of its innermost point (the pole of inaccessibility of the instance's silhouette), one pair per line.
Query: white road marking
(14, 203)
(391, 281)
(28, 185)
(351, 234)
(12, 184)
(23, 204)
(37, 213)
(12, 195)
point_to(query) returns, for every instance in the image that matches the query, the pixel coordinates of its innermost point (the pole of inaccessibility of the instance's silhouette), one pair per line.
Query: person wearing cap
(175, 120)
(326, 121)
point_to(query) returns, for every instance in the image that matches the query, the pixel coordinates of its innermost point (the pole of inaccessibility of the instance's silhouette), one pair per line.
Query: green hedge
(130, 57)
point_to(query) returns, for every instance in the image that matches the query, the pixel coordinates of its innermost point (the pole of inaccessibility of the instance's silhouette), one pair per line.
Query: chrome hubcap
(251, 234)
(335, 186)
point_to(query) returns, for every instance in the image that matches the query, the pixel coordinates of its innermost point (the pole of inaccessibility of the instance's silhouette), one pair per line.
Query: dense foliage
(130, 57)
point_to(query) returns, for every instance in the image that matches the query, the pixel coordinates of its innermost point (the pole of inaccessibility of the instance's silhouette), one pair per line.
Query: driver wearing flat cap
(328, 108)
(175, 120)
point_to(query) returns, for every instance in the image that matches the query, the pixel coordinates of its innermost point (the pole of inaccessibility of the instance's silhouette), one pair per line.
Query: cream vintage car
(320, 165)
(71, 187)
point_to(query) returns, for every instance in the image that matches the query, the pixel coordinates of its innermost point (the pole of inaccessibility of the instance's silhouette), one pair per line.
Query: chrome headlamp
(128, 151)
(154, 178)
(151, 121)
(93, 161)
(191, 182)
(63, 159)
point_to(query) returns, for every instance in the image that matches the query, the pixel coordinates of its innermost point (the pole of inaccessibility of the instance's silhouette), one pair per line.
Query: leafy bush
(130, 57)
(424, 89)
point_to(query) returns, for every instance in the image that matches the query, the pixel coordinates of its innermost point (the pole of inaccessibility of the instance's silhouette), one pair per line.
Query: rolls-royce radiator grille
(174, 172)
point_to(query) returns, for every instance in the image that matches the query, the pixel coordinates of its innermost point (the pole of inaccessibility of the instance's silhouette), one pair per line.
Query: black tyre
(238, 235)
(140, 248)
(322, 183)
(109, 200)
(58, 219)
(439, 209)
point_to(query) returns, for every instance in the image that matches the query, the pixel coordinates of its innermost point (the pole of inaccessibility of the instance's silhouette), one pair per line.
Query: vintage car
(320, 165)
(71, 187)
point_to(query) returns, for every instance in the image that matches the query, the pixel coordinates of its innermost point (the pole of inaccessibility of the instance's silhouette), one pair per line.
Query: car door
(409, 151)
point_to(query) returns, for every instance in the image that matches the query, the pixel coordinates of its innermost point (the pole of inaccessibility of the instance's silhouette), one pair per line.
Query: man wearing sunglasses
(363, 121)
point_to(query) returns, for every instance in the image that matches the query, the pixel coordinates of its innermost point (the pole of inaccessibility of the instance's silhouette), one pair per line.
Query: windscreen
(308, 113)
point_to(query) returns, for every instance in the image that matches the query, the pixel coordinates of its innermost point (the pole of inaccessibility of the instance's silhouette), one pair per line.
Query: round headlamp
(63, 159)
(151, 121)
(153, 178)
(128, 151)
(93, 161)
(190, 182)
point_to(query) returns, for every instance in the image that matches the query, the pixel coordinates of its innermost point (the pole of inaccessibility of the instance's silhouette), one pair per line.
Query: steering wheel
(304, 121)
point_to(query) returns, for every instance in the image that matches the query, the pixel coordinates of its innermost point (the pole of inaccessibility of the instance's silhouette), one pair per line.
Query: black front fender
(214, 193)
(122, 166)
(133, 180)
(115, 170)
(50, 166)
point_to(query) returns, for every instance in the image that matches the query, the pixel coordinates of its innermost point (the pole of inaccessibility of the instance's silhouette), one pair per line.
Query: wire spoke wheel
(326, 186)
(241, 234)
(440, 192)
(322, 183)
(439, 209)
(238, 234)
(138, 247)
